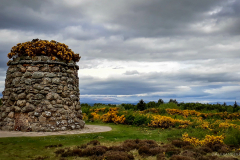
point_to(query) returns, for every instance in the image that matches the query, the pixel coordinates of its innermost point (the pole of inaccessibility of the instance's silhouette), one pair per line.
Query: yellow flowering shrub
(166, 122)
(153, 110)
(84, 116)
(111, 116)
(208, 140)
(193, 141)
(226, 125)
(119, 119)
(183, 126)
(98, 110)
(95, 116)
(185, 113)
(43, 47)
(204, 125)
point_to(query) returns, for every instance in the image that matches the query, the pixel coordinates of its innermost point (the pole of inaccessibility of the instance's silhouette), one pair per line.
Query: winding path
(86, 129)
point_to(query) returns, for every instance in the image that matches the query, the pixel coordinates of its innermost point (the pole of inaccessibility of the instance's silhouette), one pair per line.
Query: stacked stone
(41, 95)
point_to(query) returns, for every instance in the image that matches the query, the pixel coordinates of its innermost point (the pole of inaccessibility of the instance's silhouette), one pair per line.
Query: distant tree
(141, 105)
(235, 105)
(97, 104)
(160, 101)
(128, 106)
(85, 105)
(182, 103)
(224, 104)
(173, 101)
(151, 104)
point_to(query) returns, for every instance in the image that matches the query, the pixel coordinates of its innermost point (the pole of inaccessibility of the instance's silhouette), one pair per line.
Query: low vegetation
(43, 47)
(151, 130)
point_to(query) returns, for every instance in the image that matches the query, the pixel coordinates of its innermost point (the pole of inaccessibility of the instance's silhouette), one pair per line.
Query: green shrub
(128, 106)
(233, 137)
(85, 108)
(129, 119)
(151, 104)
(162, 111)
(141, 119)
(169, 105)
(229, 109)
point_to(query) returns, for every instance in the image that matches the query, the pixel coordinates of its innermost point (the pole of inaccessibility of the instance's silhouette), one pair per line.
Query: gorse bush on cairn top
(43, 47)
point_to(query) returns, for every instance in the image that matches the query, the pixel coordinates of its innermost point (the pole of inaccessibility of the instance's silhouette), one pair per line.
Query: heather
(144, 131)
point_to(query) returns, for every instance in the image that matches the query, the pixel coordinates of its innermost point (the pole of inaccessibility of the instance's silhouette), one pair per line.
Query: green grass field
(32, 147)
(35, 148)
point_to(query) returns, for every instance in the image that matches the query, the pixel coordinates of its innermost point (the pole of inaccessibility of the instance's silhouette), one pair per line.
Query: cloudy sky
(186, 50)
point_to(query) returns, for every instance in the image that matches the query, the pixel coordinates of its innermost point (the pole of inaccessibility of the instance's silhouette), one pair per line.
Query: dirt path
(86, 129)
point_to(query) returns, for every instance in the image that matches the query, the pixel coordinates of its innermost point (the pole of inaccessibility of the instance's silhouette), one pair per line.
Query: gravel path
(86, 129)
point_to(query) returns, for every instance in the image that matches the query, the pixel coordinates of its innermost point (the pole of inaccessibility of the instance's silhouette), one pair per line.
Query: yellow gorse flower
(111, 116)
(186, 113)
(43, 47)
(166, 122)
(208, 140)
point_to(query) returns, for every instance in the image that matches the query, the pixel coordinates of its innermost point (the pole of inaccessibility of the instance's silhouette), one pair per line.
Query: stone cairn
(41, 95)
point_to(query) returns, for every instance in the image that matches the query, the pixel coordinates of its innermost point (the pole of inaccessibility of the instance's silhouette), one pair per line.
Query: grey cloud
(131, 72)
(117, 87)
(137, 30)
(156, 18)
(152, 18)
(155, 82)
(230, 13)
(182, 49)
(186, 77)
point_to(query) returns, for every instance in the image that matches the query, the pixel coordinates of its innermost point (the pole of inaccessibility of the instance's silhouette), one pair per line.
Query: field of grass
(32, 147)
(165, 125)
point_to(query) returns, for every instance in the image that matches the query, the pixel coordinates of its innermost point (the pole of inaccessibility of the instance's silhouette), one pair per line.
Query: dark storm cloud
(164, 18)
(155, 18)
(23, 15)
(185, 31)
(152, 18)
(3, 60)
(230, 14)
(41, 16)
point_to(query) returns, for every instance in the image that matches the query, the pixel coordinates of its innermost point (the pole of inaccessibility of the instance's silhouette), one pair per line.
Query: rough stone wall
(41, 95)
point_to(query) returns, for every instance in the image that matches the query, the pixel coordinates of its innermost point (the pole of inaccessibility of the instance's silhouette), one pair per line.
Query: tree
(160, 101)
(182, 103)
(173, 101)
(224, 104)
(235, 105)
(141, 105)
(151, 104)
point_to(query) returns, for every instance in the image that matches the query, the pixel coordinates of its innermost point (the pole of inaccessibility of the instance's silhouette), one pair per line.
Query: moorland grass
(33, 147)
